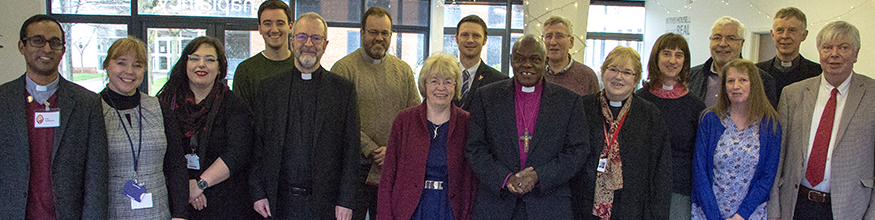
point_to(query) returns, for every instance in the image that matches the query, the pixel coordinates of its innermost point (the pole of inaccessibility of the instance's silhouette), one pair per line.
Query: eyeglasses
(552, 36)
(374, 33)
(718, 39)
(302, 38)
(40, 41)
(623, 72)
(841, 48)
(207, 59)
(435, 82)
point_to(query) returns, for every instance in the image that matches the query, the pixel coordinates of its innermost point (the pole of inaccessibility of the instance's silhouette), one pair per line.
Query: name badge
(47, 119)
(194, 162)
(603, 163)
(134, 191)
(144, 204)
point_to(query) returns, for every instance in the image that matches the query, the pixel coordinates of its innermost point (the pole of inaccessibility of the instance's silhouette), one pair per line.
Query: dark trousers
(807, 209)
(292, 206)
(366, 198)
(519, 210)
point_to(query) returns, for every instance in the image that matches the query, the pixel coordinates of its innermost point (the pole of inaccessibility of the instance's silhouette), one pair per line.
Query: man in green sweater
(274, 25)
(385, 86)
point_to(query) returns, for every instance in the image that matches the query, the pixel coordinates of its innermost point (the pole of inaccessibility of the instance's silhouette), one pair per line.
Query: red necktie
(820, 148)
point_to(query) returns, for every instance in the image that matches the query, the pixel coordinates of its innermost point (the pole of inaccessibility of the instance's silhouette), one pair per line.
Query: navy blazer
(710, 131)
(485, 75)
(403, 175)
(560, 140)
(79, 153)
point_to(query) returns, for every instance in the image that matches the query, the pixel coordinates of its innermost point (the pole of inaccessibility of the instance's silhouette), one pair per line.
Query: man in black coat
(525, 157)
(307, 130)
(788, 31)
(471, 37)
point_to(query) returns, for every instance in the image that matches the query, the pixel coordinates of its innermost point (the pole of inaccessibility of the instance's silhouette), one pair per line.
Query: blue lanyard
(135, 155)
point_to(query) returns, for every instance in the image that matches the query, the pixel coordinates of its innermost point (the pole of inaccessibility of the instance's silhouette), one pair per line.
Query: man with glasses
(788, 31)
(471, 37)
(827, 156)
(306, 164)
(53, 143)
(274, 23)
(385, 86)
(727, 38)
(561, 69)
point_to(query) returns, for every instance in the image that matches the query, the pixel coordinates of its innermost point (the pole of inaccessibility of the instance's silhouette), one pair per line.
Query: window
(496, 52)
(87, 44)
(611, 24)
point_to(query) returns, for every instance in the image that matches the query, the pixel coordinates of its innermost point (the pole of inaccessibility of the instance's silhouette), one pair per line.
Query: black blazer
(805, 70)
(335, 157)
(485, 75)
(559, 143)
(79, 153)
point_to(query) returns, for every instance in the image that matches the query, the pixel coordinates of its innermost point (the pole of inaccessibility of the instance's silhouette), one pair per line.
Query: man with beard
(385, 86)
(524, 157)
(561, 69)
(53, 144)
(788, 66)
(274, 23)
(471, 37)
(307, 131)
(727, 38)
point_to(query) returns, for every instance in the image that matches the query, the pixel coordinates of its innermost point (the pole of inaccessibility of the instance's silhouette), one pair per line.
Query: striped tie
(465, 83)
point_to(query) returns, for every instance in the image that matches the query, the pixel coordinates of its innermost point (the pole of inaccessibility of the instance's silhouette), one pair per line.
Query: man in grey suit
(525, 157)
(53, 149)
(471, 37)
(828, 156)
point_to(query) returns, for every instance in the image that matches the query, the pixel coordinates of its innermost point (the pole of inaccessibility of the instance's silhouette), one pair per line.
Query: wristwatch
(202, 184)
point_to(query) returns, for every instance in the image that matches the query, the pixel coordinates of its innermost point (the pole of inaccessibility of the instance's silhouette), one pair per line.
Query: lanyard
(610, 139)
(135, 155)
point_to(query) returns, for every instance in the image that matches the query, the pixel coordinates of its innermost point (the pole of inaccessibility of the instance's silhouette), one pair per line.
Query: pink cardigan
(403, 174)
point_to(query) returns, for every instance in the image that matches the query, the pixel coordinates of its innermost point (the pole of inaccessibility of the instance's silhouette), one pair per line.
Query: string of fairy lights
(765, 13)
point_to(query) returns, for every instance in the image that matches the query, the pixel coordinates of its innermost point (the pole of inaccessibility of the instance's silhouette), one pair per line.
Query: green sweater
(384, 90)
(251, 71)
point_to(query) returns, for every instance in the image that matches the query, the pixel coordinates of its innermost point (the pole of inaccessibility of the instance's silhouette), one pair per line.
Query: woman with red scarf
(217, 131)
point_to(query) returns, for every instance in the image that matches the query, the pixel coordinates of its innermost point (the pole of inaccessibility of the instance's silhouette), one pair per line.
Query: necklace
(436, 130)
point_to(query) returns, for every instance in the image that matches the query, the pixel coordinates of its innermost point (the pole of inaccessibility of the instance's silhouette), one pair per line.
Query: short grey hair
(725, 20)
(556, 19)
(314, 16)
(539, 44)
(836, 29)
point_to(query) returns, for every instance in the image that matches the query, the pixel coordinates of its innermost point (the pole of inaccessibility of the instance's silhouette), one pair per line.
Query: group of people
(293, 140)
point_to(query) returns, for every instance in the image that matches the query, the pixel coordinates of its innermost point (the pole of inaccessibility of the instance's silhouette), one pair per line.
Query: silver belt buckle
(821, 194)
(431, 184)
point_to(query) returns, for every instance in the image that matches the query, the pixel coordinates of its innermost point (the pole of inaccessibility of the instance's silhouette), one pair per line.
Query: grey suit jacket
(558, 144)
(853, 156)
(79, 153)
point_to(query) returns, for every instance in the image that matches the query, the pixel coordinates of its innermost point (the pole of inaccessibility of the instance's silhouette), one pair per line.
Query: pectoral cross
(525, 138)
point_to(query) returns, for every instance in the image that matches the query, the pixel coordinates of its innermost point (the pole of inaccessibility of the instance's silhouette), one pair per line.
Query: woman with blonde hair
(737, 148)
(425, 161)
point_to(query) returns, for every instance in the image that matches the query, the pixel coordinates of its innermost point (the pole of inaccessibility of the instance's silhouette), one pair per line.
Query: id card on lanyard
(610, 138)
(47, 118)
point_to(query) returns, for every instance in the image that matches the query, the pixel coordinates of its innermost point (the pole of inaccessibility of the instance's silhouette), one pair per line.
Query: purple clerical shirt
(527, 105)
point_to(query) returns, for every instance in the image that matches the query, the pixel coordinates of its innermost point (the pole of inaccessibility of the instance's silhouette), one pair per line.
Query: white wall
(703, 13)
(13, 14)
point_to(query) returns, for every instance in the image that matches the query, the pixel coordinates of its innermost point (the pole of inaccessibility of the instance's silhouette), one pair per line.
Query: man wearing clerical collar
(562, 70)
(789, 29)
(306, 164)
(524, 161)
(53, 137)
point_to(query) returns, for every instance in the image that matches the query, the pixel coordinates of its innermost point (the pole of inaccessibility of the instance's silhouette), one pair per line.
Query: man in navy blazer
(471, 37)
(54, 163)
(525, 157)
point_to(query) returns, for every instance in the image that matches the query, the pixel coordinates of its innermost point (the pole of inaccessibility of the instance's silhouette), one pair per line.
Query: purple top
(526, 106)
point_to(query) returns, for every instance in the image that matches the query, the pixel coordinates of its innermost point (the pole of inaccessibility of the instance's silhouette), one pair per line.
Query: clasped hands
(523, 181)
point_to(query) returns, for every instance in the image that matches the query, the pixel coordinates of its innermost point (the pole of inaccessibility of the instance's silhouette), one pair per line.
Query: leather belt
(295, 191)
(813, 195)
(431, 184)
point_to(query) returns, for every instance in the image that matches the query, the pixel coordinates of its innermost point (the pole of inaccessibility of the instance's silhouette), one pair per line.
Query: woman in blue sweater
(737, 149)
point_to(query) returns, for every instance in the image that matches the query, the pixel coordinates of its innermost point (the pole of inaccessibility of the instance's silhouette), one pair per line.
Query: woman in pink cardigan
(425, 173)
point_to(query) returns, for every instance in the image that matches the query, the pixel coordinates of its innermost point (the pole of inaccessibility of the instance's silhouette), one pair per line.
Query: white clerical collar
(528, 89)
(371, 60)
(615, 104)
(306, 76)
(786, 64)
(667, 87)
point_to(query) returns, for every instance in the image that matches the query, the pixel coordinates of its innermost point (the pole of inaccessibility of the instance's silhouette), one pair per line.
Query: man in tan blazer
(828, 156)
